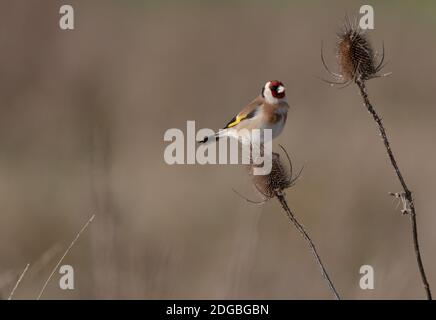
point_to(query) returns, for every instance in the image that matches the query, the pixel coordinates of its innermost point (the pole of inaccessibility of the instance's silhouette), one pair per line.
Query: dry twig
(18, 281)
(356, 60)
(64, 255)
(273, 185)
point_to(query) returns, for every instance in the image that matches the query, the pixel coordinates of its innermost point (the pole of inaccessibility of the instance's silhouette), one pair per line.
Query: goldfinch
(269, 110)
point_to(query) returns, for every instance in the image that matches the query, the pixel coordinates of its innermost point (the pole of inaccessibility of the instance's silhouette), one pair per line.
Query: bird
(268, 110)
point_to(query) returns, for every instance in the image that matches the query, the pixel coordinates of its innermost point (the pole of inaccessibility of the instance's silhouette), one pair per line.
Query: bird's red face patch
(277, 89)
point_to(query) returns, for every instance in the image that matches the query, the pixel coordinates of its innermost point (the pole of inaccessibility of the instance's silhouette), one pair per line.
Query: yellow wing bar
(235, 121)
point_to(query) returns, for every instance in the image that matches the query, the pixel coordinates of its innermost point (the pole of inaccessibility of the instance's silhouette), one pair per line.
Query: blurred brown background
(82, 118)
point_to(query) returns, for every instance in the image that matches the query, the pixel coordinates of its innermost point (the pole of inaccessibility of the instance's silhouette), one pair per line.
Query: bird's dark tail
(210, 139)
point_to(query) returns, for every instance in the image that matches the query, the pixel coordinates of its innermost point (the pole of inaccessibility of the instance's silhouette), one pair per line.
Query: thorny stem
(280, 196)
(407, 193)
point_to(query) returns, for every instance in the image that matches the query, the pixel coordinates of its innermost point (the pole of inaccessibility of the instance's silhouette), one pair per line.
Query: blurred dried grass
(82, 117)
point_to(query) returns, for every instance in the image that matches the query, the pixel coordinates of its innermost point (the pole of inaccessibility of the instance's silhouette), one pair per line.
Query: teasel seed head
(279, 179)
(356, 57)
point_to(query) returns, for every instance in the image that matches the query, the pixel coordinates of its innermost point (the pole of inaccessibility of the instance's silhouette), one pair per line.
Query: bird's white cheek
(269, 97)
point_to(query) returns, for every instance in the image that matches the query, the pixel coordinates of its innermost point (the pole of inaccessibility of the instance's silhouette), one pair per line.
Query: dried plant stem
(309, 241)
(407, 193)
(64, 255)
(18, 281)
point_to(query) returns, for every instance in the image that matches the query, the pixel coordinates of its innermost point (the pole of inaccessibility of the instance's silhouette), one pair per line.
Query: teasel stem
(280, 196)
(407, 193)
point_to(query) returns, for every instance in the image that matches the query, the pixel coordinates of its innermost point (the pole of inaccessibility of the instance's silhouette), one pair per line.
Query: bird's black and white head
(274, 92)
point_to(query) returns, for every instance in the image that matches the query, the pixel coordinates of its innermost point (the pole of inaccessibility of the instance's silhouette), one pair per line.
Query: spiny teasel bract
(279, 179)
